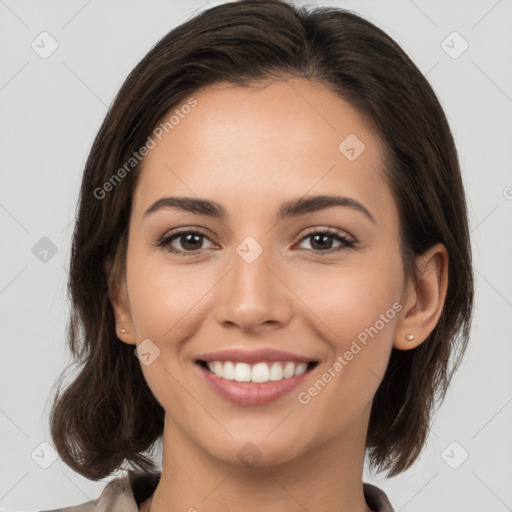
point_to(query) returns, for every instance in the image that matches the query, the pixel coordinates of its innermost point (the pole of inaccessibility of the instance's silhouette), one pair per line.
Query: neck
(327, 477)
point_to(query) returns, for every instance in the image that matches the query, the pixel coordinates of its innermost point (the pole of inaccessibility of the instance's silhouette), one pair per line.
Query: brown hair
(107, 415)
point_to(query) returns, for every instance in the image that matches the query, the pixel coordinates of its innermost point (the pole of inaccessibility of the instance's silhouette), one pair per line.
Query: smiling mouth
(261, 372)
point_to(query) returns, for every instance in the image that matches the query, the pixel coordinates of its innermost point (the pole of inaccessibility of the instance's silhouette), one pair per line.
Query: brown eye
(322, 241)
(190, 242)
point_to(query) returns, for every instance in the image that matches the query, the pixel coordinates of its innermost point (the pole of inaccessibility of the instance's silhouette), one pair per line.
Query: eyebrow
(294, 208)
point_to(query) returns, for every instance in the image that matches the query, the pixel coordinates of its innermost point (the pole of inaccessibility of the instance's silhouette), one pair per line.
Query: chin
(258, 451)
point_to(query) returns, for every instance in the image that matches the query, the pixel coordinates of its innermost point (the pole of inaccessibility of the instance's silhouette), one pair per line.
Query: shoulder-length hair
(107, 415)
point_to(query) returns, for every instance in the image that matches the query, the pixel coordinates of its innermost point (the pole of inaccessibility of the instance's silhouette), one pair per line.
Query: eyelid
(165, 240)
(328, 230)
(347, 241)
(183, 230)
(205, 232)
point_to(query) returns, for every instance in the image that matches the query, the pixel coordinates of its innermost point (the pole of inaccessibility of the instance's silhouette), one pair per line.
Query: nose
(254, 295)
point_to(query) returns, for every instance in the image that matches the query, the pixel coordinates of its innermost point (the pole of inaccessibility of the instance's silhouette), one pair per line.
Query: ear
(118, 296)
(423, 301)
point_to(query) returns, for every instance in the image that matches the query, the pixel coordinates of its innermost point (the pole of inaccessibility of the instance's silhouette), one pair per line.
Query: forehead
(241, 145)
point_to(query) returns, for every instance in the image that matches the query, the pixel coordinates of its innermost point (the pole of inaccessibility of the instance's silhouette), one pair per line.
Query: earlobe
(125, 334)
(424, 300)
(122, 314)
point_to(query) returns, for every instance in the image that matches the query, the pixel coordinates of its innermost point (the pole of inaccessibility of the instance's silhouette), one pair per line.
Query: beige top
(125, 494)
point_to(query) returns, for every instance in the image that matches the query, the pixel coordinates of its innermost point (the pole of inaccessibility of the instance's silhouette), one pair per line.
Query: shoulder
(117, 496)
(123, 494)
(376, 498)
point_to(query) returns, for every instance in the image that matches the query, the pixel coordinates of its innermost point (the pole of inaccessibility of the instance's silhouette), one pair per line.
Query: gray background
(52, 107)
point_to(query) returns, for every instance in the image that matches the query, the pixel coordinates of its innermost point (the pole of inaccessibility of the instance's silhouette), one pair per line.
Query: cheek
(164, 303)
(163, 296)
(354, 297)
(357, 308)
(361, 314)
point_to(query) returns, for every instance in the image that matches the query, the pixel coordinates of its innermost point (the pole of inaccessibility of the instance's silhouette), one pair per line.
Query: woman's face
(261, 277)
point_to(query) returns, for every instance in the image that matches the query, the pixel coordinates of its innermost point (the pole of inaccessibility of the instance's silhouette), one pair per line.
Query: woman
(270, 270)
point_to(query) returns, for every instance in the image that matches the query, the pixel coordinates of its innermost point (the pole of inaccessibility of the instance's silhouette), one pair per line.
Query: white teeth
(288, 370)
(228, 372)
(217, 367)
(242, 372)
(260, 372)
(276, 371)
(301, 368)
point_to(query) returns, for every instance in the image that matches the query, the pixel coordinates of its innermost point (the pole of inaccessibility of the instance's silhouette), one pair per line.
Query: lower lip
(249, 393)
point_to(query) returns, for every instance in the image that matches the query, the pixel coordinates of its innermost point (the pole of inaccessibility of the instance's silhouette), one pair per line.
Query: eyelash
(165, 241)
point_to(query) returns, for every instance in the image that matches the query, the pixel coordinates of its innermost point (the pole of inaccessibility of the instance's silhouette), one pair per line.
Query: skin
(250, 149)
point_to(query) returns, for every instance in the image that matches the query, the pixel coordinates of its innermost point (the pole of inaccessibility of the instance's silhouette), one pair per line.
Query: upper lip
(253, 356)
